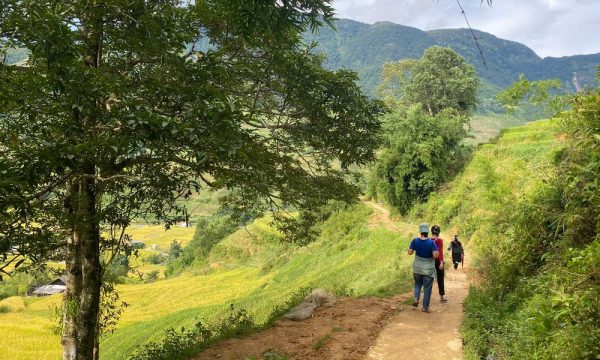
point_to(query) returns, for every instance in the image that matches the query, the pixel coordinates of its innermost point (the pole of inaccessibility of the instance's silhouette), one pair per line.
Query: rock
(318, 297)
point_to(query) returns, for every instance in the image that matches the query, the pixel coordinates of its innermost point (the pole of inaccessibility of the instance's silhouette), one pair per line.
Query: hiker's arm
(411, 251)
(411, 247)
(436, 254)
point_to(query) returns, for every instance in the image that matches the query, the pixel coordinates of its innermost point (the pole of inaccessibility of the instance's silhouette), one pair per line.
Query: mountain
(364, 48)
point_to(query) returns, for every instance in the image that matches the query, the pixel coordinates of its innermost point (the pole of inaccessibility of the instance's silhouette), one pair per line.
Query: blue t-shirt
(423, 247)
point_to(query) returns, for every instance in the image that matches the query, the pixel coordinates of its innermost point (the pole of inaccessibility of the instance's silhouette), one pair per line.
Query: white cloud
(549, 27)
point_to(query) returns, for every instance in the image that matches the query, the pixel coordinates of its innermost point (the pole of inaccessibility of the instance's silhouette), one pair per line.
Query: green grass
(536, 296)
(251, 269)
(498, 172)
(322, 342)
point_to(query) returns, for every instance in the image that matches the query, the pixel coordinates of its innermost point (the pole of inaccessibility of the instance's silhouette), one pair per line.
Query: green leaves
(537, 93)
(440, 79)
(431, 98)
(417, 156)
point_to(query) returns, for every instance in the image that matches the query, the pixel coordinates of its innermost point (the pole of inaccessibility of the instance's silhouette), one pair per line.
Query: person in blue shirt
(425, 252)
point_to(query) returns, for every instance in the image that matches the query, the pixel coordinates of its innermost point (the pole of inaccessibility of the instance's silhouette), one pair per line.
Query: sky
(549, 27)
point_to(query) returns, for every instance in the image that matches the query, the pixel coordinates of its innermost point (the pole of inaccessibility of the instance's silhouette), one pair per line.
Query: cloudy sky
(549, 27)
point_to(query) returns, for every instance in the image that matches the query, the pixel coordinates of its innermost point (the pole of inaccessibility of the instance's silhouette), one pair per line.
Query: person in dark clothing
(457, 251)
(439, 262)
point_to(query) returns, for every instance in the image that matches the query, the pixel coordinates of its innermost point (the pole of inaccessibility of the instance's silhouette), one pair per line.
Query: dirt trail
(362, 329)
(414, 335)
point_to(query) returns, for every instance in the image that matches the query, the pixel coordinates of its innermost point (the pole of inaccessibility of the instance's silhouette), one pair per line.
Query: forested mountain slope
(364, 48)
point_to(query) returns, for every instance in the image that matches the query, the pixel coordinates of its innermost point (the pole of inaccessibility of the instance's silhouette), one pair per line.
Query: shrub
(187, 342)
(175, 345)
(151, 276)
(209, 231)
(156, 259)
(175, 250)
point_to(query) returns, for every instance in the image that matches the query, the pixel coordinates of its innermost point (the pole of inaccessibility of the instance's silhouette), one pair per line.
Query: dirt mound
(344, 331)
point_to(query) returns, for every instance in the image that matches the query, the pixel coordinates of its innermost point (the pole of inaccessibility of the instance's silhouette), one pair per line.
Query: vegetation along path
(365, 328)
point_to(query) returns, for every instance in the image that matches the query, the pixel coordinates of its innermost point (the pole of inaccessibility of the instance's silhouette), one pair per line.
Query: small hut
(55, 287)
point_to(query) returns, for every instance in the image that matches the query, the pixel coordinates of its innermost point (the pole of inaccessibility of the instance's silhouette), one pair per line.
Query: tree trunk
(82, 297)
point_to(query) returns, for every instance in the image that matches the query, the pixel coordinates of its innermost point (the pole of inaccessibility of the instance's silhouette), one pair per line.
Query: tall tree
(118, 113)
(431, 99)
(419, 153)
(439, 80)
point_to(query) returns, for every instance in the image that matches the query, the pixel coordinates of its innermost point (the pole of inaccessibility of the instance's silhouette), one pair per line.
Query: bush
(175, 345)
(175, 250)
(151, 276)
(117, 268)
(156, 259)
(22, 283)
(209, 231)
(419, 154)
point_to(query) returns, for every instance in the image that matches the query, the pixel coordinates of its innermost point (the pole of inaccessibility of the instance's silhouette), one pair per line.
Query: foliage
(151, 276)
(541, 283)
(175, 345)
(440, 79)
(111, 308)
(302, 229)
(156, 259)
(431, 100)
(118, 267)
(209, 231)
(175, 250)
(419, 154)
(186, 343)
(21, 283)
(114, 117)
(348, 257)
(536, 93)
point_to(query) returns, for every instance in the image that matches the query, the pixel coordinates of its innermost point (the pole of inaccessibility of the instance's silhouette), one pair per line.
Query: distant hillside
(364, 48)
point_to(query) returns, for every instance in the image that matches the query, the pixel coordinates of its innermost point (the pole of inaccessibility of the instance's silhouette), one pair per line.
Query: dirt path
(414, 335)
(342, 332)
(362, 329)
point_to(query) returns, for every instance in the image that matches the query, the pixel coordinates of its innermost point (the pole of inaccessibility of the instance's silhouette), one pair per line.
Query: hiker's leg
(439, 277)
(456, 260)
(418, 285)
(440, 281)
(427, 285)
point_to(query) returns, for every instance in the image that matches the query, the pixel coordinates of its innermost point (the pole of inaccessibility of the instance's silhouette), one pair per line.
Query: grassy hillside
(250, 269)
(499, 173)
